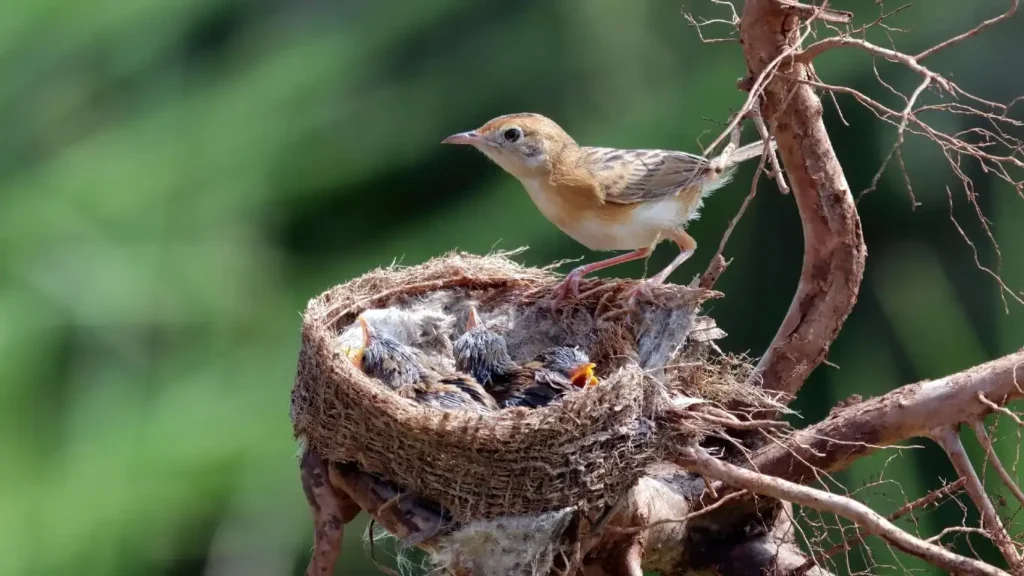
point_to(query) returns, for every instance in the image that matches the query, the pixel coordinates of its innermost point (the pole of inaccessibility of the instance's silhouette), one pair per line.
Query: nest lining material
(584, 452)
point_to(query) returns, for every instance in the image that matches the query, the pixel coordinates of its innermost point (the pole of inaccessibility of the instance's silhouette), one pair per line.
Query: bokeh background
(178, 178)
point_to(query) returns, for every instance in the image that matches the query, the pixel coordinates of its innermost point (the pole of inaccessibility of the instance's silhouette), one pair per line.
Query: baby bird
(423, 329)
(483, 353)
(404, 370)
(551, 368)
(605, 198)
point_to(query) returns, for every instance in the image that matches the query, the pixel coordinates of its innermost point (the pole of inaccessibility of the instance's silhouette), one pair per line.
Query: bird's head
(523, 144)
(572, 363)
(381, 356)
(481, 352)
(356, 353)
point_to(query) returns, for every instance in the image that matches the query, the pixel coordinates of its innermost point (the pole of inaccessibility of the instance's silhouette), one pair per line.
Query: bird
(606, 198)
(483, 353)
(423, 328)
(404, 370)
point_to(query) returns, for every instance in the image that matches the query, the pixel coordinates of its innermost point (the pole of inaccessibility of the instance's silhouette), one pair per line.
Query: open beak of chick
(583, 376)
(355, 353)
(470, 138)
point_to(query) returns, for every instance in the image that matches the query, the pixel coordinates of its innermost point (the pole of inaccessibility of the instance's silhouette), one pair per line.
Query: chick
(556, 372)
(423, 328)
(483, 354)
(404, 370)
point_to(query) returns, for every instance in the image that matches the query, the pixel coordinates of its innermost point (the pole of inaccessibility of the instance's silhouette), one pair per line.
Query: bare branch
(990, 22)
(1001, 409)
(834, 250)
(683, 519)
(986, 443)
(950, 442)
(993, 146)
(818, 48)
(822, 12)
(769, 151)
(700, 461)
(957, 530)
(911, 411)
(926, 500)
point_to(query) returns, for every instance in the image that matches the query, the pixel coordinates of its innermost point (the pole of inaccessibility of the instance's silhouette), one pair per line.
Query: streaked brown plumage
(605, 198)
(405, 370)
(555, 372)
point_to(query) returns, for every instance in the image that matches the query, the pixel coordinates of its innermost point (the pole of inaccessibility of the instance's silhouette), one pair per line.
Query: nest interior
(583, 452)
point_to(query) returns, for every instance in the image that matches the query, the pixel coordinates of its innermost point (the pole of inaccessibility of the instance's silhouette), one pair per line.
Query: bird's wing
(630, 176)
(443, 396)
(471, 388)
(533, 397)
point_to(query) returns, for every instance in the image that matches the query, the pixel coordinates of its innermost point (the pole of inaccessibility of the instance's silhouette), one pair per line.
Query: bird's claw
(641, 290)
(570, 286)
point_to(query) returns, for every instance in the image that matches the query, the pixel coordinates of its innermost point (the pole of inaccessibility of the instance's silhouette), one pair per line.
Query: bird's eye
(513, 134)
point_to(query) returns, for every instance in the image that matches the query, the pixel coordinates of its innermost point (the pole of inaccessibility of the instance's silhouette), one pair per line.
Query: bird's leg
(571, 284)
(687, 246)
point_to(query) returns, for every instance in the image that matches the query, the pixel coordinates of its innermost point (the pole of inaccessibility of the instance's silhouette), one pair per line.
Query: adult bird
(606, 198)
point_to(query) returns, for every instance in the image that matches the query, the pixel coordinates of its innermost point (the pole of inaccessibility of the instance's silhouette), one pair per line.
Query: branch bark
(907, 412)
(834, 250)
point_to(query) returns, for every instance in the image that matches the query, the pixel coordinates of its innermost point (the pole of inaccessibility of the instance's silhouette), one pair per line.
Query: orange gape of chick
(605, 198)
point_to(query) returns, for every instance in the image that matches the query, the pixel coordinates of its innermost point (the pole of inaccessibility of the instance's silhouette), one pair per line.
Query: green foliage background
(178, 177)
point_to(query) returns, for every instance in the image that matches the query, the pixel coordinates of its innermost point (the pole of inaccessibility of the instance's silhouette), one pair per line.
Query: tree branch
(698, 460)
(947, 437)
(993, 458)
(834, 250)
(913, 410)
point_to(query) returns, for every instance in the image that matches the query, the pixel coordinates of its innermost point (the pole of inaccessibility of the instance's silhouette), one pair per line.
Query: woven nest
(583, 452)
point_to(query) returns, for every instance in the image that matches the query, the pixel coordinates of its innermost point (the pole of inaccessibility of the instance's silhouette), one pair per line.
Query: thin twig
(725, 499)
(986, 443)
(1000, 409)
(957, 530)
(769, 151)
(742, 425)
(949, 440)
(698, 460)
(921, 502)
(818, 48)
(990, 22)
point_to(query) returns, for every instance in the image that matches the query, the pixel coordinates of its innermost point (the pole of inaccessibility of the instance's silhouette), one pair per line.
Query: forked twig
(697, 460)
(926, 500)
(986, 443)
(949, 440)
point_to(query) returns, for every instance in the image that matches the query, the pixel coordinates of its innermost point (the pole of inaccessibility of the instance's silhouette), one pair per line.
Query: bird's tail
(743, 153)
(723, 175)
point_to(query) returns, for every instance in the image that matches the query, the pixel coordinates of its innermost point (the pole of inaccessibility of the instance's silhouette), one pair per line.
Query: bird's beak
(367, 332)
(355, 353)
(469, 138)
(583, 376)
(474, 319)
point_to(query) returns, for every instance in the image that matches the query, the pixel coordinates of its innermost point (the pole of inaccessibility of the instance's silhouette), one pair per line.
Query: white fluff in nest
(508, 546)
(420, 328)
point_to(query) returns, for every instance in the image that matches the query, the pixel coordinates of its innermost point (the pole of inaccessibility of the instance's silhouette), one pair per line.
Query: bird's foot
(642, 290)
(570, 287)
